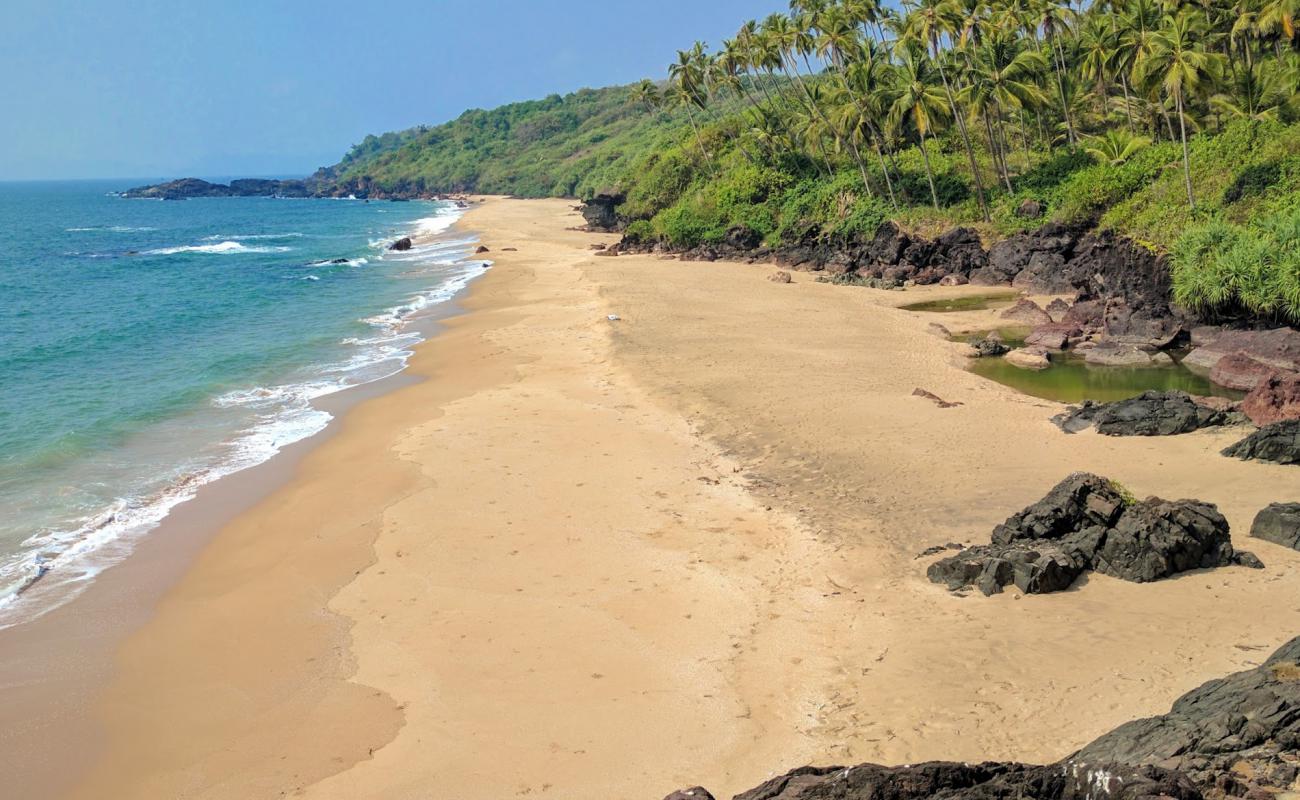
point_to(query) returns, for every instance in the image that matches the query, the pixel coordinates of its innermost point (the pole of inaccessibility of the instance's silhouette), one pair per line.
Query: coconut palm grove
(1173, 123)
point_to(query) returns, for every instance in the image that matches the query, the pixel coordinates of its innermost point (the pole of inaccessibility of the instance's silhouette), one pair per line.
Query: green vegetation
(560, 146)
(1177, 124)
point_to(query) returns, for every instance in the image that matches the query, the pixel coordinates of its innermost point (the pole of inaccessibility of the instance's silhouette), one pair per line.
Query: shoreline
(57, 661)
(587, 558)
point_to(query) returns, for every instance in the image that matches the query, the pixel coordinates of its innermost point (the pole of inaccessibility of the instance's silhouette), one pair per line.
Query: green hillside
(1177, 124)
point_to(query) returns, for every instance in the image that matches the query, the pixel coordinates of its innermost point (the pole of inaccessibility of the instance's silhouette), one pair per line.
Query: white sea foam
(228, 246)
(57, 564)
(250, 237)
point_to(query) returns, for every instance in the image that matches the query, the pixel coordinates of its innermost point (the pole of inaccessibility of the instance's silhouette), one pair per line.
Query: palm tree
(1115, 147)
(688, 91)
(1180, 67)
(927, 21)
(919, 101)
(1003, 74)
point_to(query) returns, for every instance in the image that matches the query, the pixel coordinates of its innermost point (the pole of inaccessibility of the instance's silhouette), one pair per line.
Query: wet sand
(592, 559)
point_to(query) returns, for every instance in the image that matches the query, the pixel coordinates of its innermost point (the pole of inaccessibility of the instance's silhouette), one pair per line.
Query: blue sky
(154, 88)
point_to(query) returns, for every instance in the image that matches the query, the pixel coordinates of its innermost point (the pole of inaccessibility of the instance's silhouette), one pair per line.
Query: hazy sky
(164, 88)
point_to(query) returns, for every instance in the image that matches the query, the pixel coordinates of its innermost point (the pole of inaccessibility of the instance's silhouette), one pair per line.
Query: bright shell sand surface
(587, 559)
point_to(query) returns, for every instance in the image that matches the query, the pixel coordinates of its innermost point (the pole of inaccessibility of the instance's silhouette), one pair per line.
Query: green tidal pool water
(974, 302)
(1070, 380)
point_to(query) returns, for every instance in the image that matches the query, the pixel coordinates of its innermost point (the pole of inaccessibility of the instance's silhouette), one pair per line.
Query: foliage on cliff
(561, 146)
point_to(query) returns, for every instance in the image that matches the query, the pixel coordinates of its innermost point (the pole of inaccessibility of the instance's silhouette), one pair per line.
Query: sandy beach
(594, 558)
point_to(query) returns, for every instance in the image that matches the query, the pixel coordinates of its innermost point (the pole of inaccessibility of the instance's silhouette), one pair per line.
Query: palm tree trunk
(889, 184)
(965, 137)
(700, 140)
(1187, 163)
(929, 176)
(996, 150)
(1128, 103)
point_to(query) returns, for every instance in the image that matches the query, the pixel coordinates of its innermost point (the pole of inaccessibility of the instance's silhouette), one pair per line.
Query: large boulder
(1033, 357)
(1108, 354)
(886, 248)
(1087, 522)
(1027, 312)
(1279, 523)
(401, 244)
(1278, 443)
(1239, 371)
(1054, 244)
(958, 252)
(694, 793)
(1156, 538)
(1276, 398)
(1152, 413)
(1278, 348)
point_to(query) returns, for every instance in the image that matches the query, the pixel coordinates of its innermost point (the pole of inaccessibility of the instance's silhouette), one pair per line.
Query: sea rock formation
(403, 243)
(1088, 523)
(1233, 737)
(1153, 413)
(1027, 312)
(1279, 523)
(1274, 399)
(601, 212)
(1278, 443)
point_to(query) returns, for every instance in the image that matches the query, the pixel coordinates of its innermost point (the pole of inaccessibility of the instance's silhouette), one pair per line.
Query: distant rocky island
(321, 184)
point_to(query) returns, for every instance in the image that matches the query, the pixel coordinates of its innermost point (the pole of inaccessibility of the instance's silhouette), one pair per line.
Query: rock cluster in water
(1233, 737)
(1089, 523)
(1152, 413)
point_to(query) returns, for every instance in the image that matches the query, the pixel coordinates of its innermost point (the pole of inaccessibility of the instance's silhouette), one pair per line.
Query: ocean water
(148, 348)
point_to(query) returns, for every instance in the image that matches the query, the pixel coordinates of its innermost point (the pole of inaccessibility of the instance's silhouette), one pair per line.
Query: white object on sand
(613, 318)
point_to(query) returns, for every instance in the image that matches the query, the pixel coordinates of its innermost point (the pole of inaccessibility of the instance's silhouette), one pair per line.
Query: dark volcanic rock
(403, 243)
(958, 252)
(1279, 524)
(601, 211)
(1085, 523)
(943, 780)
(245, 187)
(742, 237)
(888, 245)
(1158, 538)
(1221, 732)
(1232, 737)
(1007, 259)
(1275, 399)
(989, 348)
(1278, 443)
(1151, 413)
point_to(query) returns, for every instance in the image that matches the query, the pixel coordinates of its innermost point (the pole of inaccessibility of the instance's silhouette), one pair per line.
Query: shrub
(1253, 180)
(641, 230)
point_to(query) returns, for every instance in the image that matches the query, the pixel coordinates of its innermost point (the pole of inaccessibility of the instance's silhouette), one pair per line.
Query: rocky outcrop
(186, 188)
(1276, 349)
(1239, 371)
(988, 348)
(1233, 737)
(601, 211)
(941, 780)
(401, 244)
(1151, 413)
(1279, 523)
(1088, 523)
(1230, 736)
(1278, 443)
(1274, 399)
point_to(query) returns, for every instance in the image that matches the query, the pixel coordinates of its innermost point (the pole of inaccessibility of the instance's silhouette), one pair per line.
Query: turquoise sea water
(148, 348)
